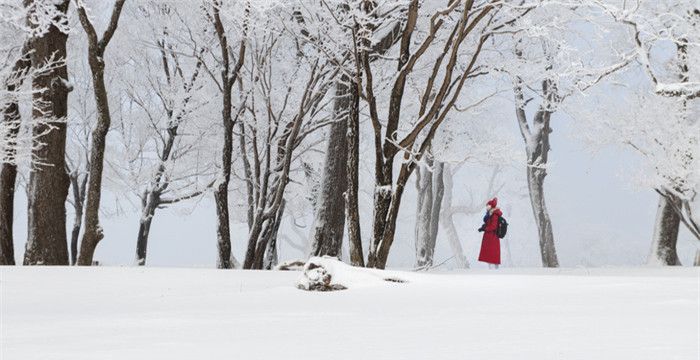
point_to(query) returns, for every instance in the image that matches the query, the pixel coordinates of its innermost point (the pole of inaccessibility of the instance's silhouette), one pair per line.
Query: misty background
(599, 219)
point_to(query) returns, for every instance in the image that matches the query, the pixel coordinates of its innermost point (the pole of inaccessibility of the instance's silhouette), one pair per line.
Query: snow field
(159, 313)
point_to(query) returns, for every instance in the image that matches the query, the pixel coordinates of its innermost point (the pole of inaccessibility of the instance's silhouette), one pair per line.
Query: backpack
(502, 227)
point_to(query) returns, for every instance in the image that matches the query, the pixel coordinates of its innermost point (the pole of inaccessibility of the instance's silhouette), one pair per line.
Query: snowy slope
(152, 313)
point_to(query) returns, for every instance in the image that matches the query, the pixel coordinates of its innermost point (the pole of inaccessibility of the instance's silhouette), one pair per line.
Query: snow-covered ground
(157, 313)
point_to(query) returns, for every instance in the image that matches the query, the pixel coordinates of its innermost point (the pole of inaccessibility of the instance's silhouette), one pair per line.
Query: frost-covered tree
(662, 121)
(97, 45)
(439, 51)
(48, 182)
(25, 142)
(549, 68)
(335, 28)
(284, 93)
(166, 126)
(227, 65)
(430, 186)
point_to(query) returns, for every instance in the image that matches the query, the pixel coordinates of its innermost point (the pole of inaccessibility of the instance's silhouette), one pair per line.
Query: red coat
(490, 243)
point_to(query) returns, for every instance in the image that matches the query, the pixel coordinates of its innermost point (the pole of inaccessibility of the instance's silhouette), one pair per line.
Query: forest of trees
(275, 108)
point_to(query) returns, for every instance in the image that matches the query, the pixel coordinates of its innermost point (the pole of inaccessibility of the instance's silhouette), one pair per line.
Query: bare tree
(178, 86)
(339, 178)
(671, 148)
(77, 173)
(96, 52)
(543, 71)
(437, 98)
(81, 115)
(272, 142)
(230, 68)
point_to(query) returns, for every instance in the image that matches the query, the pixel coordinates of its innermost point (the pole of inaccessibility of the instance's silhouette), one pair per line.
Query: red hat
(493, 202)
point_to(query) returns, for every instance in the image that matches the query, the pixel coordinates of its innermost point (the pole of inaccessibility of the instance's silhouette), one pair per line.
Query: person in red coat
(490, 243)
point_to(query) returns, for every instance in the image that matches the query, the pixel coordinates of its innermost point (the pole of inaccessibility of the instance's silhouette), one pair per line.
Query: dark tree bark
(96, 50)
(287, 134)
(329, 226)
(353, 166)
(149, 204)
(271, 258)
(663, 248)
(228, 79)
(8, 171)
(438, 97)
(327, 237)
(249, 181)
(48, 183)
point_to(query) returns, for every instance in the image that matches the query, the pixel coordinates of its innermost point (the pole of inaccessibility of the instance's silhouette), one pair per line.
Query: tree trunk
(535, 184)
(8, 177)
(271, 257)
(93, 230)
(329, 224)
(389, 229)
(663, 247)
(424, 189)
(255, 233)
(431, 189)
(248, 173)
(8, 171)
(697, 258)
(448, 223)
(261, 244)
(223, 232)
(78, 187)
(228, 79)
(48, 183)
(439, 194)
(382, 202)
(353, 167)
(96, 49)
(537, 149)
(151, 202)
